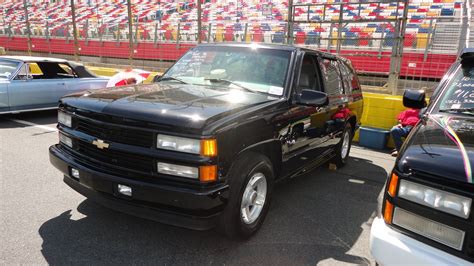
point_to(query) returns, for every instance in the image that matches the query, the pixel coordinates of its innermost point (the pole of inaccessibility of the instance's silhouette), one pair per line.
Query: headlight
(64, 119)
(434, 198)
(207, 147)
(179, 144)
(178, 170)
(65, 140)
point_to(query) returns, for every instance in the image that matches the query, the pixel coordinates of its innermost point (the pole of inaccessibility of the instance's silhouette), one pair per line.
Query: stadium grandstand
(363, 31)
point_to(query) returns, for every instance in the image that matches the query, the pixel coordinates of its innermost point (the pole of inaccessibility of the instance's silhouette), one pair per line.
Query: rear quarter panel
(83, 84)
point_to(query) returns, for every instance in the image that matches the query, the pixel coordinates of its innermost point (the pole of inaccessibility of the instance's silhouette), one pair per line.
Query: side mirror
(414, 99)
(312, 98)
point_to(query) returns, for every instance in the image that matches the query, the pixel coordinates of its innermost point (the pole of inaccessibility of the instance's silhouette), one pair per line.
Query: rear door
(333, 86)
(352, 88)
(32, 89)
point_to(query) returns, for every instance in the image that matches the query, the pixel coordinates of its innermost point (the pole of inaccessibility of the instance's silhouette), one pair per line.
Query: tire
(344, 147)
(255, 168)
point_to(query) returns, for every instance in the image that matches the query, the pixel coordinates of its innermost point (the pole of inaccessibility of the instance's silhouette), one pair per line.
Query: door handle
(61, 83)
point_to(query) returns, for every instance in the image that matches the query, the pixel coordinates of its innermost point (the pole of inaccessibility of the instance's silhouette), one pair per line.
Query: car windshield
(253, 69)
(459, 95)
(7, 68)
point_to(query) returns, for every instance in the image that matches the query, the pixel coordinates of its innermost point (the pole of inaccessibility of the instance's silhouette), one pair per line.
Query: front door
(8, 68)
(307, 127)
(4, 103)
(27, 92)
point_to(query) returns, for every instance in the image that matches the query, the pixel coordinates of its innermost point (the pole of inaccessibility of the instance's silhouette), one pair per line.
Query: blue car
(37, 83)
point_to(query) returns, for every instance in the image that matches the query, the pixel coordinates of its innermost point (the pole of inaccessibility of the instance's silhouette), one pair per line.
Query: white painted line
(357, 181)
(30, 124)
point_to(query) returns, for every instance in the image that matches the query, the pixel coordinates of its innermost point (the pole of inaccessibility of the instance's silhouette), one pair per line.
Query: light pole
(74, 31)
(199, 26)
(28, 33)
(130, 31)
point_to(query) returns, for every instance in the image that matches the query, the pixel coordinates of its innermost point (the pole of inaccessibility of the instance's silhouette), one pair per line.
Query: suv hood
(180, 105)
(433, 148)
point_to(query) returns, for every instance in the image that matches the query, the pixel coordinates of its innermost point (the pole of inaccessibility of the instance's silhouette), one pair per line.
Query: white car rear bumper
(390, 247)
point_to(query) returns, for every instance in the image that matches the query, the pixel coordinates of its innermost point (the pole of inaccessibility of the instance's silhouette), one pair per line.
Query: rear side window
(331, 76)
(350, 80)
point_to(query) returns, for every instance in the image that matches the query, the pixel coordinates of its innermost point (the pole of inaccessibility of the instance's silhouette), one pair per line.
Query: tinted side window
(331, 76)
(350, 79)
(309, 78)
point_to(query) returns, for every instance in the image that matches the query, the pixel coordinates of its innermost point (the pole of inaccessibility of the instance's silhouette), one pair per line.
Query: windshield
(256, 70)
(7, 68)
(459, 95)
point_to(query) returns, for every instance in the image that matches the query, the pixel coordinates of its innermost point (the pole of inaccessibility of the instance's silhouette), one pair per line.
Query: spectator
(406, 121)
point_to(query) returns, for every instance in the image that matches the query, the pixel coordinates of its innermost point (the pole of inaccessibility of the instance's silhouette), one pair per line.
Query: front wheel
(251, 184)
(344, 147)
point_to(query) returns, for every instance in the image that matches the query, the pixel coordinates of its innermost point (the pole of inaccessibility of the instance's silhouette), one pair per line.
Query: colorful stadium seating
(228, 20)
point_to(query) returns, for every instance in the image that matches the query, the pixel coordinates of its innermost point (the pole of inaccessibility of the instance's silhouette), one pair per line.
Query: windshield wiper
(234, 83)
(172, 78)
(458, 110)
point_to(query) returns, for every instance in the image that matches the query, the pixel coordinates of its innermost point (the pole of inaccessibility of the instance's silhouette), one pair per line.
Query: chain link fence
(394, 45)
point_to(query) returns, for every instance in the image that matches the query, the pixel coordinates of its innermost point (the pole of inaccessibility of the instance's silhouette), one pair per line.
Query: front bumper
(390, 247)
(196, 209)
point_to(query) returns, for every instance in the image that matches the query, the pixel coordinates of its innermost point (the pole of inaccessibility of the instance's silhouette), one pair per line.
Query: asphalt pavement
(322, 217)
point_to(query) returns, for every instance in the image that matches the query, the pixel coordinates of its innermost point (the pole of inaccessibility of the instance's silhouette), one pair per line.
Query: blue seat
(424, 30)
(350, 39)
(447, 12)
(388, 40)
(412, 26)
(313, 38)
(278, 37)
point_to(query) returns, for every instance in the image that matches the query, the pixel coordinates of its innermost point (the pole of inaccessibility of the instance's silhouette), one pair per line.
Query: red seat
(229, 35)
(257, 36)
(300, 37)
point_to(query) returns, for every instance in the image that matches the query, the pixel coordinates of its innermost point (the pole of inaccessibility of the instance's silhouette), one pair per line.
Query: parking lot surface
(322, 217)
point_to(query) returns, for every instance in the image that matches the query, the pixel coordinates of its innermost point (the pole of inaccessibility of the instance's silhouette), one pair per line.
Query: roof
(467, 51)
(34, 59)
(257, 45)
(285, 47)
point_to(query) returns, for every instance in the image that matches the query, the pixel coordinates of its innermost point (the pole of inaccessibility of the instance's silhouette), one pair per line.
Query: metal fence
(394, 45)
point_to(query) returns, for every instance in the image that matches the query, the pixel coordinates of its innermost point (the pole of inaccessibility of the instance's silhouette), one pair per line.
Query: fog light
(438, 232)
(178, 170)
(75, 173)
(65, 140)
(124, 190)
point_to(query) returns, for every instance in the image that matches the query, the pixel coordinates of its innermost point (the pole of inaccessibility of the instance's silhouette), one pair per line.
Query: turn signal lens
(388, 212)
(392, 187)
(209, 147)
(208, 173)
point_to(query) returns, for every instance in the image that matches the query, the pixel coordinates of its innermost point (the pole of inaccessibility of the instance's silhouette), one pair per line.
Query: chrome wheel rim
(345, 145)
(253, 198)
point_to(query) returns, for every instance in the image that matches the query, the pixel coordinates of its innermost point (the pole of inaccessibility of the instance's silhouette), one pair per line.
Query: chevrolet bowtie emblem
(100, 144)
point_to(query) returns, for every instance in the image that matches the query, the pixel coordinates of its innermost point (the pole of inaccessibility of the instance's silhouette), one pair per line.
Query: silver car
(37, 83)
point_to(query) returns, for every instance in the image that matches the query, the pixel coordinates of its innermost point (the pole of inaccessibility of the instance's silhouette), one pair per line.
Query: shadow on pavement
(49, 117)
(318, 217)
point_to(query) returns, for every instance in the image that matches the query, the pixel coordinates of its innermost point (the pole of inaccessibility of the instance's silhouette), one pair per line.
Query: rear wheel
(251, 184)
(344, 146)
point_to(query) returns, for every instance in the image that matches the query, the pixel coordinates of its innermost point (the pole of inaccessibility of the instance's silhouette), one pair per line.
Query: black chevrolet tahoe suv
(203, 146)
(427, 216)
